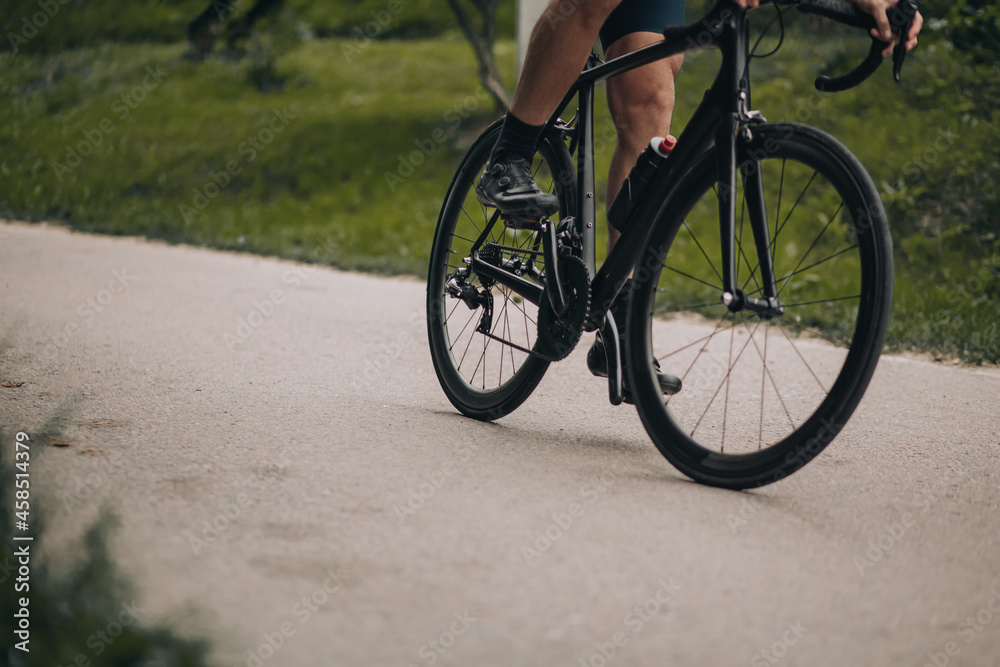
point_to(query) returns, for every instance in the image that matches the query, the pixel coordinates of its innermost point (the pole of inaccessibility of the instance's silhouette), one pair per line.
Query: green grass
(335, 184)
(320, 184)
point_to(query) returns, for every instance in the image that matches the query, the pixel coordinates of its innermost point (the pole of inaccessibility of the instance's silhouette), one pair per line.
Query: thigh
(642, 96)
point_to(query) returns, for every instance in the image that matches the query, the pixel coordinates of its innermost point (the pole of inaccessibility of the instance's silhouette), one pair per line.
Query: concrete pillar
(528, 12)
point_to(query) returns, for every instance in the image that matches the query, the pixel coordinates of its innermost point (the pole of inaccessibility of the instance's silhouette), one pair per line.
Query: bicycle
(777, 333)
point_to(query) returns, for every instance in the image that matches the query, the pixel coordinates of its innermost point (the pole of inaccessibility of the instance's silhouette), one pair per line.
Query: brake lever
(901, 18)
(898, 58)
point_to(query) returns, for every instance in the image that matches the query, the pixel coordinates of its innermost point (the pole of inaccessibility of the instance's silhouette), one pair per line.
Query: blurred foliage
(82, 611)
(972, 26)
(71, 24)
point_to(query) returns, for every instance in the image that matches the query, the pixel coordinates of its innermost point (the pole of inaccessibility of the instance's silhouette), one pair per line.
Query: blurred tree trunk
(482, 39)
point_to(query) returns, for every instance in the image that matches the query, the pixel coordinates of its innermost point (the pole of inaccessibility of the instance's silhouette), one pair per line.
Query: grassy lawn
(340, 151)
(307, 164)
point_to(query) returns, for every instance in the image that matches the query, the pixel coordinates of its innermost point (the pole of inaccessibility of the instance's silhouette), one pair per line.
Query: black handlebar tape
(830, 84)
(837, 11)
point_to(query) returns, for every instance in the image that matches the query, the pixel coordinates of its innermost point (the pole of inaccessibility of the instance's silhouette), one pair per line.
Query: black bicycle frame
(722, 118)
(719, 120)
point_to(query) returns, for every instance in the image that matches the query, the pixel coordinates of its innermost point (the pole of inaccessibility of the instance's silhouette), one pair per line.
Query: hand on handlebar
(883, 31)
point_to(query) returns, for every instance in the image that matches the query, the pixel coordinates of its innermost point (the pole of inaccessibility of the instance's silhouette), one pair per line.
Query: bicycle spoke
(473, 221)
(785, 222)
(527, 337)
(777, 215)
(713, 304)
(822, 335)
(795, 347)
(482, 362)
(813, 245)
(700, 352)
(513, 366)
(453, 309)
(811, 303)
(504, 335)
(753, 273)
(471, 337)
(725, 379)
(482, 358)
(689, 345)
(690, 277)
(742, 253)
(770, 377)
(763, 387)
(509, 335)
(459, 336)
(518, 306)
(795, 206)
(703, 253)
(725, 409)
(459, 236)
(811, 266)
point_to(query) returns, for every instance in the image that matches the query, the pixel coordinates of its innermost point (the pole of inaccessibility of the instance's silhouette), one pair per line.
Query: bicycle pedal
(518, 222)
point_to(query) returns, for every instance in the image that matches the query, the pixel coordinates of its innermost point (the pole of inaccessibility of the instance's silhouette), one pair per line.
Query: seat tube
(585, 181)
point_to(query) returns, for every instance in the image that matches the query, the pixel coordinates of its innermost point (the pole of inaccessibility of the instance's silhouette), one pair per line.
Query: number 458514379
(22, 458)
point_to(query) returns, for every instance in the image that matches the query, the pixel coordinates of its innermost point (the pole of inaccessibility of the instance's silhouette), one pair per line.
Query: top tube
(702, 34)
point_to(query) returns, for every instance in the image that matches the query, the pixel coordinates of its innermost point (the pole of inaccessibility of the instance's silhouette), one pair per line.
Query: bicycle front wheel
(481, 333)
(762, 397)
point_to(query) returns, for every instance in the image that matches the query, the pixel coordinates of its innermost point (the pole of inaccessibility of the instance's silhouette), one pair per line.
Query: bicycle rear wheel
(761, 398)
(481, 334)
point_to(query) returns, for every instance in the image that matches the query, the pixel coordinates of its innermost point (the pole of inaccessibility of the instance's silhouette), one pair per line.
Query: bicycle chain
(507, 342)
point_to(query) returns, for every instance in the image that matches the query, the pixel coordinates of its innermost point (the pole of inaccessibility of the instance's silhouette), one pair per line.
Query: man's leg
(560, 44)
(642, 105)
(557, 52)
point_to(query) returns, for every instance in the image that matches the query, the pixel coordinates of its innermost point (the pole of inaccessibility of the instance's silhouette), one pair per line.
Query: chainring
(558, 336)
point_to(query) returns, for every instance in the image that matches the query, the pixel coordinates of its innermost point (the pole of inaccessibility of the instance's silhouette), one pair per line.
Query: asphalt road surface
(359, 520)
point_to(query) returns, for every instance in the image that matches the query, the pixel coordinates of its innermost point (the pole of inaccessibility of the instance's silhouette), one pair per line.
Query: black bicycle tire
(470, 401)
(741, 471)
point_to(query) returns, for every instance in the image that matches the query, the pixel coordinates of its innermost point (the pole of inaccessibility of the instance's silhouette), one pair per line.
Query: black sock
(517, 139)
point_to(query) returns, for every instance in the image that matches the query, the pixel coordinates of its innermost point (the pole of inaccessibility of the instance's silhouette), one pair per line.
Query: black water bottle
(638, 179)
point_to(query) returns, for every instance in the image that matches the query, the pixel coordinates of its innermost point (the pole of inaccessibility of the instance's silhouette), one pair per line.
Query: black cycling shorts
(641, 16)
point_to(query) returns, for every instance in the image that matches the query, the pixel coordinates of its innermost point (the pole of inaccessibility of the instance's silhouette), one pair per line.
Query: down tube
(585, 181)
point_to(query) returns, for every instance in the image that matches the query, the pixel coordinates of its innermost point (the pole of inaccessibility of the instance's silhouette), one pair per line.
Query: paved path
(314, 423)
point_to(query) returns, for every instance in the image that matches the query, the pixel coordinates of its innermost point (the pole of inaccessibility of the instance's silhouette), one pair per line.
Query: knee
(643, 101)
(633, 109)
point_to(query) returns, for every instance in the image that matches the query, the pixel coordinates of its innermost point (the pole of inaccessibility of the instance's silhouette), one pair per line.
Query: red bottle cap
(667, 143)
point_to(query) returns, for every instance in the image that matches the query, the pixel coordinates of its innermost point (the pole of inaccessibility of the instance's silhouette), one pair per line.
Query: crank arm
(609, 334)
(553, 283)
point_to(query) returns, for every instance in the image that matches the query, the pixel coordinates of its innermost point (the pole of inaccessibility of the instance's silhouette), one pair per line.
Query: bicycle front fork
(734, 296)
